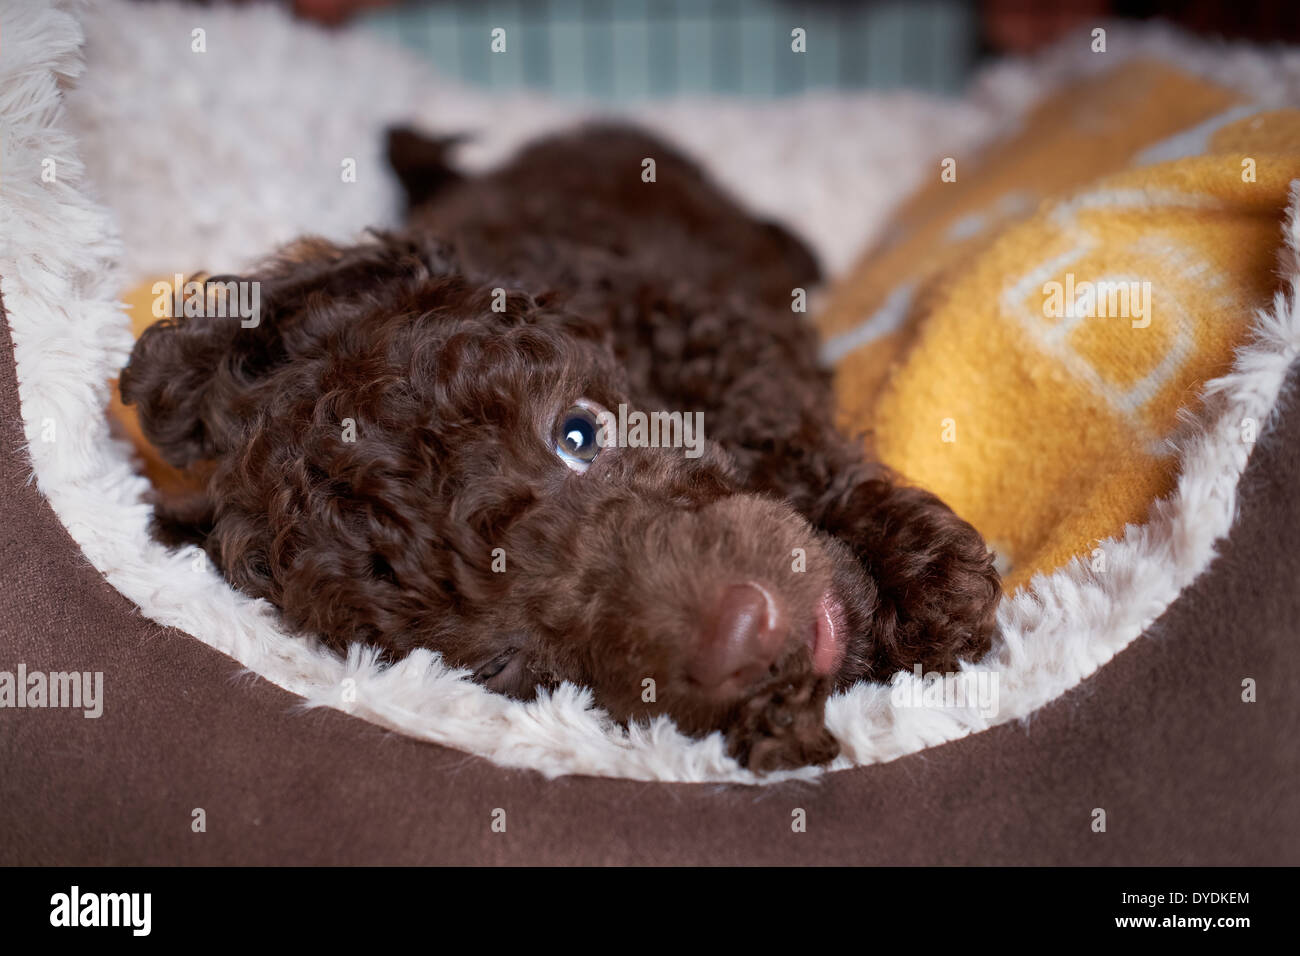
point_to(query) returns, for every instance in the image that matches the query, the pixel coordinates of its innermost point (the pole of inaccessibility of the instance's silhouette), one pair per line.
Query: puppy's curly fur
(450, 522)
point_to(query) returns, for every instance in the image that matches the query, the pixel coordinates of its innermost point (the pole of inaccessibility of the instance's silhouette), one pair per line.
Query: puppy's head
(394, 455)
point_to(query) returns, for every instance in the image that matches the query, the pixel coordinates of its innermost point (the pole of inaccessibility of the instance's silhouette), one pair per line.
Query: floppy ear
(187, 372)
(422, 163)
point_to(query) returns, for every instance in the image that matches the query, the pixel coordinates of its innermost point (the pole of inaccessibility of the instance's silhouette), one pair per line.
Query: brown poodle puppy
(437, 439)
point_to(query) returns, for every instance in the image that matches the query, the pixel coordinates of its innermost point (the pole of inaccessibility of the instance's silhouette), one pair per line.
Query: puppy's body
(731, 590)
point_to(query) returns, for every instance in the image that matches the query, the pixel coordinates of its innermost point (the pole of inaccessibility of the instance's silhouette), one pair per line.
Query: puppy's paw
(782, 725)
(938, 590)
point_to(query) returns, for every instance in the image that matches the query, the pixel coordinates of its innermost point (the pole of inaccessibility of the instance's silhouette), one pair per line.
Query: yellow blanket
(1023, 342)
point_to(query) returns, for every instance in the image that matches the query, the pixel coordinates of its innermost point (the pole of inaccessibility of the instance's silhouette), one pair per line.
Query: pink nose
(740, 640)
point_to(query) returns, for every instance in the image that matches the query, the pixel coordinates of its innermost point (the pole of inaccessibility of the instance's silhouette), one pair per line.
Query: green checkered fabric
(633, 49)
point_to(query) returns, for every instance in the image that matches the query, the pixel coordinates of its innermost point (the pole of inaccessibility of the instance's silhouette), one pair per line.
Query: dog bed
(200, 171)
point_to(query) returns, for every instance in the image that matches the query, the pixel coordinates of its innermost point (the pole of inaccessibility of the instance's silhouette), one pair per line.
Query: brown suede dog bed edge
(1186, 771)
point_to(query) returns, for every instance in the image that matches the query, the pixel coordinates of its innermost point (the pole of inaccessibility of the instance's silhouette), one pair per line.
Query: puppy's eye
(578, 435)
